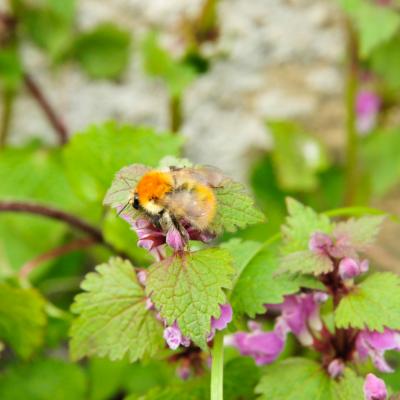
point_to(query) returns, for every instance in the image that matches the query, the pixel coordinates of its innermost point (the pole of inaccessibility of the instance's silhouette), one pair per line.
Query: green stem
(217, 367)
(8, 103)
(175, 113)
(351, 130)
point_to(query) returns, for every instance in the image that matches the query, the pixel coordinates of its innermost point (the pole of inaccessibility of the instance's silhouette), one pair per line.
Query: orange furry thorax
(153, 186)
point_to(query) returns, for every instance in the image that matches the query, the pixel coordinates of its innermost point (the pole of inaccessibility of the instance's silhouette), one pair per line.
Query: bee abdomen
(197, 205)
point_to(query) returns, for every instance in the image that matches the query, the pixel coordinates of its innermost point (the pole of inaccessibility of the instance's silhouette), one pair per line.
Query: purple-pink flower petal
(150, 237)
(173, 336)
(367, 108)
(224, 319)
(175, 239)
(374, 344)
(336, 368)
(374, 388)
(349, 268)
(264, 347)
(320, 243)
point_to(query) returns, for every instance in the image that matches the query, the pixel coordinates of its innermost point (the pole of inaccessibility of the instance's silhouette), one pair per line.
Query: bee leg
(156, 221)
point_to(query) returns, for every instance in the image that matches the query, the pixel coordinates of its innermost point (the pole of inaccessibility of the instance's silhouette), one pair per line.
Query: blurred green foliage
(74, 179)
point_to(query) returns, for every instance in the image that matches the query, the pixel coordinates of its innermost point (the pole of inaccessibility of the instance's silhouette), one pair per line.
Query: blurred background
(292, 97)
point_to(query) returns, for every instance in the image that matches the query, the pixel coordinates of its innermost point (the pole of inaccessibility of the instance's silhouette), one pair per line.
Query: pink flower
(367, 108)
(374, 344)
(154, 239)
(174, 338)
(222, 322)
(320, 243)
(336, 368)
(350, 268)
(336, 247)
(264, 347)
(226, 316)
(374, 388)
(175, 240)
(301, 314)
(150, 238)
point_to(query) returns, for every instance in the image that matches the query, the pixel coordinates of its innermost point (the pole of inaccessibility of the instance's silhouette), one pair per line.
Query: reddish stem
(72, 220)
(47, 108)
(53, 213)
(78, 244)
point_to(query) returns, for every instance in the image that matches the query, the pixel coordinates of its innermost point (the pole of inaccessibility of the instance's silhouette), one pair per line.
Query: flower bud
(336, 368)
(173, 336)
(374, 388)
(349, 268)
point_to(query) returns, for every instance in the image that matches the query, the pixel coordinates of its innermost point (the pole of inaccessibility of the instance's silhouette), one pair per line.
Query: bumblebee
(178, 195)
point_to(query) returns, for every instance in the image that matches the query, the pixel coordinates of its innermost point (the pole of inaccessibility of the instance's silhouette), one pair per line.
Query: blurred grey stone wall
(274, 59)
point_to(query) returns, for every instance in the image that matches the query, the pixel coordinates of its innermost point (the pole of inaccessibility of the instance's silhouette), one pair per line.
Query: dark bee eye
(135, 203)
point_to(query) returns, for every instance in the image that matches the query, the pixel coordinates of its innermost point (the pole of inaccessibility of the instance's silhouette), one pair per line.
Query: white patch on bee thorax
(153, 208)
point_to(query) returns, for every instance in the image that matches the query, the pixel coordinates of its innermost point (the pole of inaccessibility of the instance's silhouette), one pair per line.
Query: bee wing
(207, 175)
(189, 205)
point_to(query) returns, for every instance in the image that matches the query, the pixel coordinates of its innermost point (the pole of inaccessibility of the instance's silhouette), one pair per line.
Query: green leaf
(376, 24)
(50, 26)
(113, 318)
(158, 62)
(297, 156)
(241, 375)
(361, 232)
(140, 378)
(385, 60)
(235, 208)
(105, 377)
(305, 262)
(380, 153)
(259, 284)
(282, 380)
(301, 223)
(189, 289)
(242, 251)
(47, 379)
(194, 389)
(104, 51)
(104, 149)
(349, 387)
(50, 185)
(125, 180)
(22, 319)
(373, 304)
(35, 175)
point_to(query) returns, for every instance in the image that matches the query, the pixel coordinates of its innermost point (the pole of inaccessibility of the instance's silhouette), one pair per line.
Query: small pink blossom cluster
(299, 315)
(154, 239)
(340, 250)
(174, 338)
